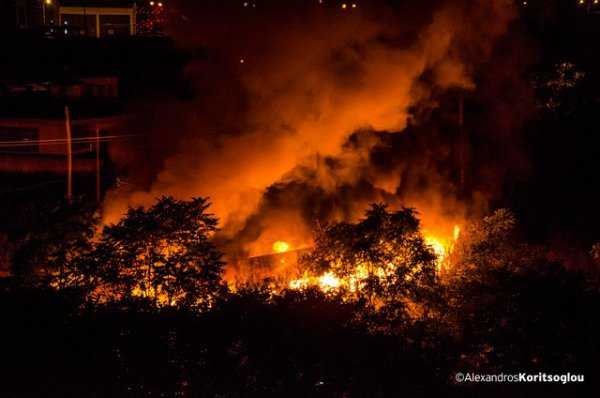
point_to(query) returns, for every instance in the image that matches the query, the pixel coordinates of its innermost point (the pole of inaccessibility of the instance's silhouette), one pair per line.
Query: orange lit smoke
(280, 247)
(310, 79)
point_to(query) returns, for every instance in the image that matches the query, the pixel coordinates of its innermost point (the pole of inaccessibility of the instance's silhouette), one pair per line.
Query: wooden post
(69, 155)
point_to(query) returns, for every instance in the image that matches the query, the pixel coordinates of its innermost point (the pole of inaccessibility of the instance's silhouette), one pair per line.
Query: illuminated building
(33, 125)
(98, 18)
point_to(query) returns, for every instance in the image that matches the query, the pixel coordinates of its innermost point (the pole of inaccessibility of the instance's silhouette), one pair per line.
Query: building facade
(34, 125)
(97, 18)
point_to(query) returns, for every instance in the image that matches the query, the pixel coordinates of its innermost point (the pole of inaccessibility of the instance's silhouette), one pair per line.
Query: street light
(45, 3)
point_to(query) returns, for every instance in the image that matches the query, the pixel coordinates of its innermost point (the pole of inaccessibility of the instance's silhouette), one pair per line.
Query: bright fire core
(328, 281)
(281, 247)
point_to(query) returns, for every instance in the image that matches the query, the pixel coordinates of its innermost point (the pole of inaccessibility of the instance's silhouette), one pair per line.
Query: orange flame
(281, 246)
(328, 281)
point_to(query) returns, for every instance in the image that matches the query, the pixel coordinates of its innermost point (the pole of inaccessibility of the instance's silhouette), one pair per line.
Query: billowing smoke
(305, 112)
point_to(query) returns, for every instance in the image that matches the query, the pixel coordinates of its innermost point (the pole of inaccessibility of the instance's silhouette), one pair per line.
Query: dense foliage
(382, 262)
(163, 255)
(62, 232)
(503, 307)
(385, 248)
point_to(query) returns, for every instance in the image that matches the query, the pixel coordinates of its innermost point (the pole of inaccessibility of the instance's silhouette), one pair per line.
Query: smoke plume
(304, 112)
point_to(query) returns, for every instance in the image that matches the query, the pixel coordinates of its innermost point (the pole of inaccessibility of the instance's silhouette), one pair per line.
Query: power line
(64, 141)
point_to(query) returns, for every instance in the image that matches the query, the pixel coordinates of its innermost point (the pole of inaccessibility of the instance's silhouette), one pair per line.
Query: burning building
(331, 111)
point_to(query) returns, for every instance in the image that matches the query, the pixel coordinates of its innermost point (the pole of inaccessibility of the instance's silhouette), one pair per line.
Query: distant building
(279, 266)
(33, 127)
(20, 14)
(98, 18)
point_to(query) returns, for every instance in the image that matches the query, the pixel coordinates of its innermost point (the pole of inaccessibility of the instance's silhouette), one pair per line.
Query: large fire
(438, 247)
(328, 281)
(442, 246)
(281, 247)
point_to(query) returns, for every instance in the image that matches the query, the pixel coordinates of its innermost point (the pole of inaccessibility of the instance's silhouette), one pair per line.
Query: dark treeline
(118, 315)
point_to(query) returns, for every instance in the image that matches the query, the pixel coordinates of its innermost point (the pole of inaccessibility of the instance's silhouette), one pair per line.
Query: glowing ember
(301, 283)
(281, 246)
(437, 246)
(328, 281)
(456, 232)
(442, 247)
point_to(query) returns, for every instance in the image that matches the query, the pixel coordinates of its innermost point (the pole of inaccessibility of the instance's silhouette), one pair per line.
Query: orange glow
(440, 238)
(456, 234)
(328, 281)
(301, 111)
(281, 247)
(437, 246)
(442, 247)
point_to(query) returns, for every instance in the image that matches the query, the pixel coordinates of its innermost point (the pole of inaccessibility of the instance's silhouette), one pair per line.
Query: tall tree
(62, 233)
(383, 258)
(163, 253)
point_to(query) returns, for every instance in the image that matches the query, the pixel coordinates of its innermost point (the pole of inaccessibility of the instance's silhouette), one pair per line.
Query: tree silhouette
(163, 254)
(383, 258)
(63, 233)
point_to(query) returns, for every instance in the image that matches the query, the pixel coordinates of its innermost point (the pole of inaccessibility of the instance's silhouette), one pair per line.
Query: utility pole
(462, 139)
(69, 155)
(85, 26)
(45, 5)
(98, 164)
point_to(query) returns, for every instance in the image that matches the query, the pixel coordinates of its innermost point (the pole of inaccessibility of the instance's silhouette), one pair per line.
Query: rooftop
(97, 3)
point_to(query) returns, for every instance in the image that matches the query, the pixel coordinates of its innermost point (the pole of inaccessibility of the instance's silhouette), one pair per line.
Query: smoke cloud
(306, 112)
